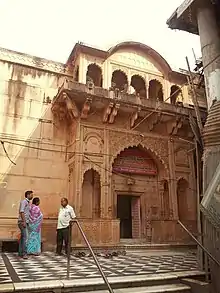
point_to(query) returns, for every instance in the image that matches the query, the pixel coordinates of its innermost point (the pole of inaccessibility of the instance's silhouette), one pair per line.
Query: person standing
(34, 228)
(66, 215)
(23, 221)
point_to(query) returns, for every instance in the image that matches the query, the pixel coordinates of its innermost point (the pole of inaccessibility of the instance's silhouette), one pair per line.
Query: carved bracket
(175, 126)
(86, 108)
(134, 116)
(64, 108)
(156, 120)
(72, 110)
(107, 112)
(114, 113)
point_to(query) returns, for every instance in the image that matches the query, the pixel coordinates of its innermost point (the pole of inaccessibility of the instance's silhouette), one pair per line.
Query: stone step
(175, 288)
(156, 283)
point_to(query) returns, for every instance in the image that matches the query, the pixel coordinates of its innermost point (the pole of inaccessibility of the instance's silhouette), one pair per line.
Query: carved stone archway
(91, 194)
(157, 147)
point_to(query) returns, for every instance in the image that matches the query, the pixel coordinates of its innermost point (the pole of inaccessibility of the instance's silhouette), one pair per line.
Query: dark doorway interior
(124, 213)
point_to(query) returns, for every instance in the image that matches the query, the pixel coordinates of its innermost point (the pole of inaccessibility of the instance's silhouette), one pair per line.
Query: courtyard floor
(48, 266)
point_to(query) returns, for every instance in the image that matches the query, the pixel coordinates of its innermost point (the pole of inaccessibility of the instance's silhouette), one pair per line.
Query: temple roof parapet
(32, 61)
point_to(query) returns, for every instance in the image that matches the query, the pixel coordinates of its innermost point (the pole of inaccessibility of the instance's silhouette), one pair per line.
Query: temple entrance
(128, 212)
(125, 216)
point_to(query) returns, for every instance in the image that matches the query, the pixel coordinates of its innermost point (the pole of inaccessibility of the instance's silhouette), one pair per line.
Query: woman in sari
(34, 228)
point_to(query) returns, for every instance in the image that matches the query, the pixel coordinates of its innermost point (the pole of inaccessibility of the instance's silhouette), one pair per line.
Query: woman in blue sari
(34, 228)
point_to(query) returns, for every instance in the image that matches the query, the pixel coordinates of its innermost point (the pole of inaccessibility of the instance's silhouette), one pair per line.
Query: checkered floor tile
(50, 267)
(4, 276)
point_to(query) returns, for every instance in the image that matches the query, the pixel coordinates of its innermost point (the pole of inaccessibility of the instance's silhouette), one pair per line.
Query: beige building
(111, 131)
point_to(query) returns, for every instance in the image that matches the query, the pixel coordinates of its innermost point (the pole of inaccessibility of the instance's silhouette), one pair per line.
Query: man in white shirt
(66, 215)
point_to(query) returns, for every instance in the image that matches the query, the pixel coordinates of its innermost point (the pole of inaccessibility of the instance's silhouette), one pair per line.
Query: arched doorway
(182, 199)
(155, 90)
(119, 80)
(135, 176)
(175, 94)
(138, 83)
(91, 195)
(94, 72)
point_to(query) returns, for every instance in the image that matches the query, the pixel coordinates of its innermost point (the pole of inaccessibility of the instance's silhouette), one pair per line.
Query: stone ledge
(64, 285)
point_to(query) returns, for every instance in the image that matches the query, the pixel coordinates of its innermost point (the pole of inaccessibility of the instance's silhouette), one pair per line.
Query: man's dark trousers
(62, 236)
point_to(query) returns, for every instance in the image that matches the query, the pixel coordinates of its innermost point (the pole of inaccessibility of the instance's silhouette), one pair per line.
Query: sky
(50, 28)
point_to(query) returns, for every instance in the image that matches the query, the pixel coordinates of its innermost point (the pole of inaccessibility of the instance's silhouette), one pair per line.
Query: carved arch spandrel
(89, 138)
(158, 147)
(90, 166)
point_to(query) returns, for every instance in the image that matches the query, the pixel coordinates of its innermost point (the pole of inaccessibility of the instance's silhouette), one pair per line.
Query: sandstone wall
(27, 129)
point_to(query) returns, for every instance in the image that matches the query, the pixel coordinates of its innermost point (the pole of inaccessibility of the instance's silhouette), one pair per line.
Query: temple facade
(110, 130)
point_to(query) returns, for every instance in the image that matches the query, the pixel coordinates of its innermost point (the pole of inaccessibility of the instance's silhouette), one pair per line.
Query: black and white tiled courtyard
(48, 266)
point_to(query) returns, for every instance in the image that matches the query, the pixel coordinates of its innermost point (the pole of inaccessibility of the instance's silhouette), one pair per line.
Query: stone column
(172, 186)
(78, 180)
(210, 45)
(82, 70)
(106, 196)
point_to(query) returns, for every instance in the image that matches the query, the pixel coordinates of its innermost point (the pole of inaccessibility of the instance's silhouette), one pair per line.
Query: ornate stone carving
(91, 131)
(88, 166)
(86, 108)
(156, 119)
(37, 62)
(174, 126)
(119, 141)
(64, 108)
(135, 59)
(119, 67)
(107, 112)
(93, 144)
(134, 116)
(114, 113)
(181, 157)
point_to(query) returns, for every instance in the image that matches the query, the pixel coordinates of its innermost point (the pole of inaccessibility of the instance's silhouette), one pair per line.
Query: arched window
(94, 72)
(91, 195)
(138, 83)
(119, 80)
(175, 94)
(155, 90)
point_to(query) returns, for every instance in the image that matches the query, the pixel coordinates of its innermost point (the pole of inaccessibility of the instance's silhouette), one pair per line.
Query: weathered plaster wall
(26, 127)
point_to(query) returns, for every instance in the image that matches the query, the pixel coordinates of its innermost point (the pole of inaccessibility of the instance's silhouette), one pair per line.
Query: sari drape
(34, 227)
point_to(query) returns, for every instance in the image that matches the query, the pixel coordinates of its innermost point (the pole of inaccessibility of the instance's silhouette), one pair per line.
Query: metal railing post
(91, 251)
(94, 257)
(69, 251)
(200, 245)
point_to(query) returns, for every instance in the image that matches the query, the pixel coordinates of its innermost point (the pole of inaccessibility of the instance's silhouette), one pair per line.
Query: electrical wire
(114, 172)
(7, 155)
(80, 153)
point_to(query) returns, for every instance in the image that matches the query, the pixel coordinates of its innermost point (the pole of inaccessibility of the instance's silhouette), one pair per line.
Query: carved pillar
(78, 170)
(106, 82)
(147, 86)
(172, 181)
(166, 91)
(129, 80)
(106, 196)
(82, 69)
(109, 75)
(71, 184)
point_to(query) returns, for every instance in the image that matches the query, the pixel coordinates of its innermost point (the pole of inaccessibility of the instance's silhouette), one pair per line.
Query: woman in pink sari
(34, 228)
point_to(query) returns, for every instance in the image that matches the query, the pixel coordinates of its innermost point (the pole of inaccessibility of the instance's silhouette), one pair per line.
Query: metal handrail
(91, 251)
(200, 245)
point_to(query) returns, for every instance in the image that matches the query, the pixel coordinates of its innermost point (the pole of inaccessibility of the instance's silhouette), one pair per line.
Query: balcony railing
(126, 98)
